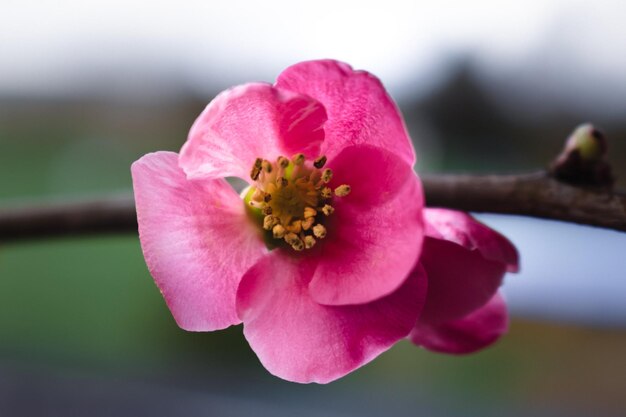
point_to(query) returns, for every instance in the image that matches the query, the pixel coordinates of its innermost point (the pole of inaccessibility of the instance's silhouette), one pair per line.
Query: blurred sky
(563, 50)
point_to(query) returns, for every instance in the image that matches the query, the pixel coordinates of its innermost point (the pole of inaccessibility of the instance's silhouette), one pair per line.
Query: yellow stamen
(326, 192)
(307, 223)
(295, 227)
(320, 162)
(327, 175)
(258, 195)
(319, 231)
(282, 182)
(269, 222)
(282, 162)
(267, 166)
(294, 241)
(309, 212)
(278, 231)
(328, 209)
(293, 196)
(342, 190)
(256, 169)
(298, 159)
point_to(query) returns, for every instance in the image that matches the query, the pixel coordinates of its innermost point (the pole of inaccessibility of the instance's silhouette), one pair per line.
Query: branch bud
(583, 159)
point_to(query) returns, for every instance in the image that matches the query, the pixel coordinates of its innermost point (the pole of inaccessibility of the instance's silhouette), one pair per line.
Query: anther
(298, 159)
(298, 245)
(328, 209)
(258, 195)
(269, 222)
(319, 162)
(256, 204)
(309, 212)
(291, 194)
(256, 169)
(290, 237)
(306, 224)
(267, 166)
(342, 190)
(319, 231)
(281, 182)
(278, 231)
(295, 227)
(302, 181)
(294, 241)
(327, 175)
(282, 162)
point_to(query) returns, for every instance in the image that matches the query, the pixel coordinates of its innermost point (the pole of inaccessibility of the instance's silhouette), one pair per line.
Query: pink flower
(465, 262)
(320, 256)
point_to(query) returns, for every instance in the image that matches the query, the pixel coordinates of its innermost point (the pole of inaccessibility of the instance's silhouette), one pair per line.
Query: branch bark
(106, 215)
(536, 194)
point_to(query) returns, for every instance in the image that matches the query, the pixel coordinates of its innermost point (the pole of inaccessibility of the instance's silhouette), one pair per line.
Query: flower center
(293, 198)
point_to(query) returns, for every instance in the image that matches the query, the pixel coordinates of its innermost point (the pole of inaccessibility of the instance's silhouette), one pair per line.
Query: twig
(536, 195)
(577, 189)
(96, 216)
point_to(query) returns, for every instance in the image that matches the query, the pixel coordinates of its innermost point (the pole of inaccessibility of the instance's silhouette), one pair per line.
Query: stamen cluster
(294, 198)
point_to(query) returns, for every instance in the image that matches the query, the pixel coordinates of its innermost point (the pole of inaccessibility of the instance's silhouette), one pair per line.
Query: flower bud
(582, 160)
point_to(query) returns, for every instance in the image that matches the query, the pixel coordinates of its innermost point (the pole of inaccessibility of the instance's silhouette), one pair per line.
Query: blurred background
(485, 86)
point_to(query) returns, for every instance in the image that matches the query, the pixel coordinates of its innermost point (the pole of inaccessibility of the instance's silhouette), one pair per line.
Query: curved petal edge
(359, 109)
(464, 230)
(299, 340)
(375, 234)
(469, 334)
(196, 240)
(250, 121)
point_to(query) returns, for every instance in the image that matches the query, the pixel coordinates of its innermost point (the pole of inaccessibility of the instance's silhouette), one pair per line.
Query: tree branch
(577, 188)
(104, 215)
(537, 195)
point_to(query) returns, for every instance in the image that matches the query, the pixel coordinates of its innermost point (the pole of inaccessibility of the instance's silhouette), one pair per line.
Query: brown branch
(96, 216)
(536, 195)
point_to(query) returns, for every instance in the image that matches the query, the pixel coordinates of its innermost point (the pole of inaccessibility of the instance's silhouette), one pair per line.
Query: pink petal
(463, 229)
(375, 234)
(248, 122)
(465, 262)
(196, 239)
(459, 280)
(300, 340)
(359, 109)
(473, 332)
